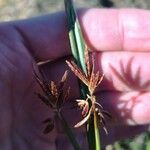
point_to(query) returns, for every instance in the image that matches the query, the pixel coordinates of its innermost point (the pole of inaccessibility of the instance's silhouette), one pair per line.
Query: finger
(123, 71)
(127, 107)
(123, 29)
(117, 29)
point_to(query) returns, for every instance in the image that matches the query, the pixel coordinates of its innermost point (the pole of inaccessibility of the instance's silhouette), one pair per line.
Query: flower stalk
(78, 48)
(54, 96)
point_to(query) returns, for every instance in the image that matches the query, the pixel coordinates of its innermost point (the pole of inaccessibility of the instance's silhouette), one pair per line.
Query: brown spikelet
(64, 77)
(87, 60)
(53, 96)
(53, 89)
(100, 79)
(77, 72)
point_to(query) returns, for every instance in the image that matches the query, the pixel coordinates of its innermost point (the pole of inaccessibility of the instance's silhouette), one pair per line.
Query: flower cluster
(91, 80)
(54, 96)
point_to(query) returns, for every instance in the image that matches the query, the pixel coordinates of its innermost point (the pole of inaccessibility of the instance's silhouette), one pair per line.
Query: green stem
(97, 138)
(93, 131)
(68, 132)
(148, 142)
(77, 45)
(76, 38)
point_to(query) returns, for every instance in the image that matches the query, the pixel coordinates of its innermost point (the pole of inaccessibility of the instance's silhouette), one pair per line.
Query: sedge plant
(92, 112)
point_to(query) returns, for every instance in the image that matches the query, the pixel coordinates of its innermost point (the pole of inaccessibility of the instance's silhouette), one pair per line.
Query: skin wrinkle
(26, 42)
(10, 41)
(3, 72)
(9, 65)
(12, 62)
(121, 30)
(16, 49)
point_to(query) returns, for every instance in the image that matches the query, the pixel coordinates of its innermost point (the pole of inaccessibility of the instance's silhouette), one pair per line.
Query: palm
(21, 112)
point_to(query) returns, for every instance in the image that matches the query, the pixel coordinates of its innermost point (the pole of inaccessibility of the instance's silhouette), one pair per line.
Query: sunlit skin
(117, 36)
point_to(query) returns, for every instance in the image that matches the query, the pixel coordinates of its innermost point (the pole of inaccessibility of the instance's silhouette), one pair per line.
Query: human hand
(120, 39)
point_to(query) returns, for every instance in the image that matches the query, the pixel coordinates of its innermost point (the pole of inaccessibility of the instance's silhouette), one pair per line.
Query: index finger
(104, 30)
